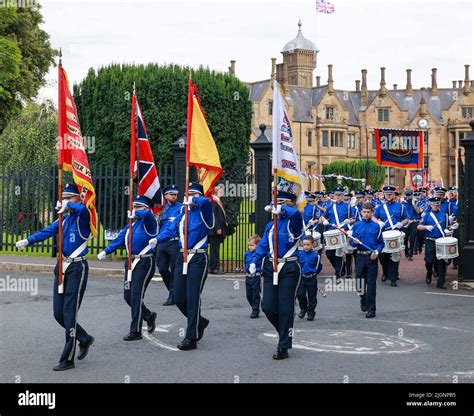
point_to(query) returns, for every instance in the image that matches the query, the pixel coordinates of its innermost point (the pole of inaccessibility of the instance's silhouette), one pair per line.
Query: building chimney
(467, 87)
(273, 75)
(460, 84)
(395, 87)
(363, 91)
(454, 84)
(357, 85)
(382, 90)
(330, 80)
(318, 81)
(472, 84)
(232, 68)
(409, 89)
(434, 82)
(423, 112)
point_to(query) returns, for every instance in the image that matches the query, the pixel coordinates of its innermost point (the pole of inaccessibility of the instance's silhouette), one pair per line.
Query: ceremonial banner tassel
(72, 157)
(201, 152)
(285, 165)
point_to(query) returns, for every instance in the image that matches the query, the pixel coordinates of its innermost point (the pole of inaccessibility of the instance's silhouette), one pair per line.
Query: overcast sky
(414, 34)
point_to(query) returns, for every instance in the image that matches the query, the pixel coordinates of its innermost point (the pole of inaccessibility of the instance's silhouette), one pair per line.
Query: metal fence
(28, 197)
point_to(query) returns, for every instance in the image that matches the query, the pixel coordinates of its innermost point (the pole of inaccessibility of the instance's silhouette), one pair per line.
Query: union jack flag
(322, 6)
(145, 171)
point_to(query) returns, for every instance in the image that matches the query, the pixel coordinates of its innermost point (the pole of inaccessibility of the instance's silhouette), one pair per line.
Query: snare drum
(393, 241)
(317, 241)
(349, 249)
(446, 248)
(334, 239)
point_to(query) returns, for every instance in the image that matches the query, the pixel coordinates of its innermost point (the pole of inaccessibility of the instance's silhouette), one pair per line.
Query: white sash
(198, 245)
(287, 254)
(388, 215)
(336, 215)
(66, 264)
(135, 261)
(437, 223)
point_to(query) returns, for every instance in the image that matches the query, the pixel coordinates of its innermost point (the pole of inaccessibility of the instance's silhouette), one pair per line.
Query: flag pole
(275, 230)
(130, 196)
(60, 170)
(186, 191)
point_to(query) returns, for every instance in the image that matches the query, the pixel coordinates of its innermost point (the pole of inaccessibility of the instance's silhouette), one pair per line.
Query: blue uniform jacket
(200, 221)
(248, 262)
(344, 211)
(443, 220)
(358, 212)
(310, 262)
(311, 212)
(169, 215)
(396, 211)
(369, 233)
(410, 211)
(144, 228)
(290, 229)
(76, 229)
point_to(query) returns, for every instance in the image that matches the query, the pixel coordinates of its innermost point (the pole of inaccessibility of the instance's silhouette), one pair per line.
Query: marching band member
(421, 205)
(411, 228)
(253, 281)
(167, 252)
(279, 300)
(309, 213)
(144, 228)
(391, 216)
(311, 266)
(188, 287)
(360, 195)
(76, 231)
(369, 233)
(436, 224)
(339, 213)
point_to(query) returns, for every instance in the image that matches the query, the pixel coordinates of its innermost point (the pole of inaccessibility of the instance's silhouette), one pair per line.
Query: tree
(25, 58)
(354, 169)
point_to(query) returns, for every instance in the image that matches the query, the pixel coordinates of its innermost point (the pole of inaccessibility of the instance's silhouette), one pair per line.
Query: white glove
(101, 256)
(381, 224)
(398, 225)
(307, 232)
(131, 214)
(455, 226)
(346, 221)
(61, 206)
(446, 231)
(429, 227)
(268, 208)
(252, 268)
(152, 242)
(276, 210)
(188, 201)
(325, 222)
(451, 218)
(21, 244)
(311, 222)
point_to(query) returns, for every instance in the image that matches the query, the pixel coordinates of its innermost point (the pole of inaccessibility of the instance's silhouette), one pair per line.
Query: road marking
(156, 341)
(236, 279)
(449, 294)
(157, 279)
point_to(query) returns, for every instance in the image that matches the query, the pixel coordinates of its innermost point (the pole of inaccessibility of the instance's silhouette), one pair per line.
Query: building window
(325, 138)
(425, 138)
(383, 114)
(310, 138)
(351, 141)
(373, 142)
(467, 112)
(330, 113)
(337, 139)
(452, 137)
(270, 108)
(425, 161)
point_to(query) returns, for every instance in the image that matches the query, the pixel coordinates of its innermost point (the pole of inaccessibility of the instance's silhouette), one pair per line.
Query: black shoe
(384, 278)
(443, 286)
(393, 283)
(254, 314)
(281, 354)
(84, 349)
(64, 365)
(169, 302)
(132, 336)
(201, 327)
(410, 258)
(215, 271)
(188, 344)
(151, 324)
(428, 279)
(370, 314)
(363, 306)
(302, 313)
(311, 316)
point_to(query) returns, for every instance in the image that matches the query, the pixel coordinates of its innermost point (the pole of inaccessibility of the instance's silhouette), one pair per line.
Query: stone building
(332, 124)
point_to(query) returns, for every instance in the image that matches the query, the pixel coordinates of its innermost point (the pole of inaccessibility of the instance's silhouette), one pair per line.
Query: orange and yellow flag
(201, 150)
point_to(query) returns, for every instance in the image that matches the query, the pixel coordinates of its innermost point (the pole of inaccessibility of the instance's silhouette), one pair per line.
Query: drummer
(391, 216)
(339, 213)
(309, 213)
(360, 196)
(436, 224)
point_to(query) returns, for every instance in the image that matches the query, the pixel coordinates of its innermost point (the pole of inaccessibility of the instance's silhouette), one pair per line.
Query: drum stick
(353, 238)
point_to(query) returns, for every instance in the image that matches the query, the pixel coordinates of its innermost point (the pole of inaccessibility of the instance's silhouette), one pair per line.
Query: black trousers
(366, 280)
(420, 239)
(410, 239)
(214, 246)
(166, 256)
(389, 267)
(336, 262)
(456, 234)
(66, 306)
(431, 261)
